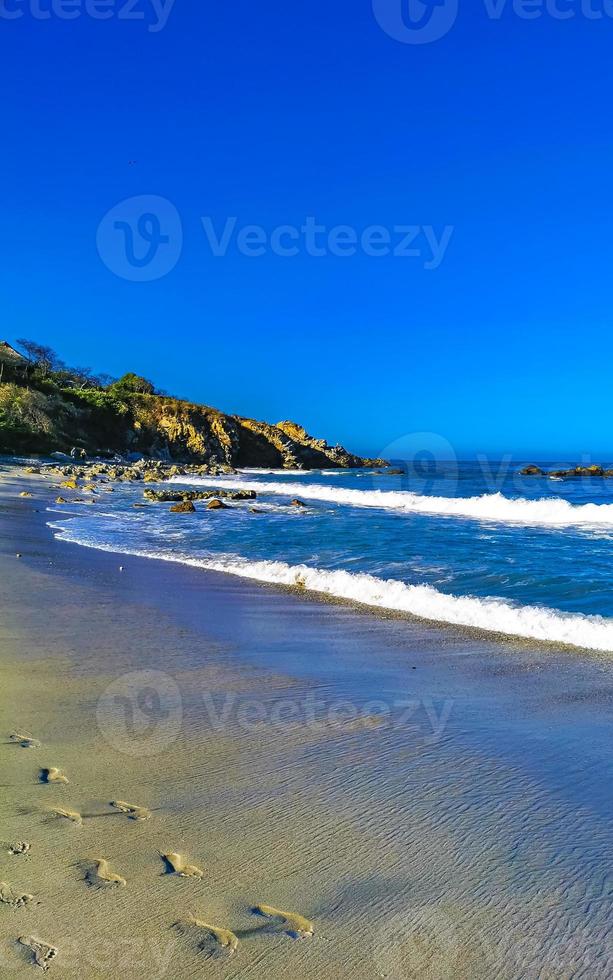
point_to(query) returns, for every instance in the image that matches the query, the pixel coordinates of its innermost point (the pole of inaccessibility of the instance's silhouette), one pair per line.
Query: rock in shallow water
(185, 507)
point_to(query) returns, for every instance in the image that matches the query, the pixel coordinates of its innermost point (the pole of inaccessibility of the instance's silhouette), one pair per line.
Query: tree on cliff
(44, 359)
(133, 384)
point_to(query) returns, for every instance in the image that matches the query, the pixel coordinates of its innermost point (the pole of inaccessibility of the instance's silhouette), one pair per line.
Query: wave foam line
(553, 512)
(421, 601)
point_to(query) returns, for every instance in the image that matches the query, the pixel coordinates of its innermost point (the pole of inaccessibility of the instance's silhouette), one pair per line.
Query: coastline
(430, 841)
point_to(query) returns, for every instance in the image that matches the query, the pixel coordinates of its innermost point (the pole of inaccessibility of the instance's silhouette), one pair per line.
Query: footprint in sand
(214, 941)
(73, 815)
(26, 741)
(175, 864)
(42, 953)
(100, 875)
(293, 924)
(18, 847)
(52, 775)
(16, 900)
(132, 811)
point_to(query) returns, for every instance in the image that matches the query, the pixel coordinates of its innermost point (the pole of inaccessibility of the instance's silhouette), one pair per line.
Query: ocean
(471, 544)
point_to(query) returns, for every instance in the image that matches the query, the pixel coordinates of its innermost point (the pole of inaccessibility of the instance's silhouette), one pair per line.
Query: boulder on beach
(185, 507)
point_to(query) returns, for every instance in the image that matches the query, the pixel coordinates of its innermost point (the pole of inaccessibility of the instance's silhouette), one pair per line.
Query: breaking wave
(552, 512)
(422, 601)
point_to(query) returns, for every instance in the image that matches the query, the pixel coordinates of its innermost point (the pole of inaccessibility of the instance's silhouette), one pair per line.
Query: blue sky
(272, 112)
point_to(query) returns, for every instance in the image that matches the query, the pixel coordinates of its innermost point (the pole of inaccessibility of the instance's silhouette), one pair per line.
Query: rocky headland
(46, 407)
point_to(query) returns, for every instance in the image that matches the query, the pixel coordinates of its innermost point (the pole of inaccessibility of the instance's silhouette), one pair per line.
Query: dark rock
(589, 471)
(532, 470)
(185, 507)
(216, 504)
(166, 496)
(297, 503)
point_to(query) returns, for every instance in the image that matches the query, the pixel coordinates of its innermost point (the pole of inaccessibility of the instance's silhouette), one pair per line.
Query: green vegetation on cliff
(46, 406)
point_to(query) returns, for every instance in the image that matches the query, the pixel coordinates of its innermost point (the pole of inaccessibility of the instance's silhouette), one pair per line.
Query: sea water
(470, 544)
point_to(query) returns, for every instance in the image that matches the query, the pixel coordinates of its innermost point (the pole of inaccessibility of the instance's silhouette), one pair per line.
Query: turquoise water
(472, 544)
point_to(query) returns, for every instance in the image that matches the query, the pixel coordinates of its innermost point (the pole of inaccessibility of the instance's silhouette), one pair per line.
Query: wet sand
(434, 804)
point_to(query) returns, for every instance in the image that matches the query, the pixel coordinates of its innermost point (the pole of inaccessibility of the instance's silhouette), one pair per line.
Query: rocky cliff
(49, 418)
(189, 432)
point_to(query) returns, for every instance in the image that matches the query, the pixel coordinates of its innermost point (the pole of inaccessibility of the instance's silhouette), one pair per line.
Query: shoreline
(525, 627)
(419, 836)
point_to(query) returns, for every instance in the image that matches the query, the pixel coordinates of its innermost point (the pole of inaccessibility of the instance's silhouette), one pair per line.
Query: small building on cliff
(8, 355)
(12, 363)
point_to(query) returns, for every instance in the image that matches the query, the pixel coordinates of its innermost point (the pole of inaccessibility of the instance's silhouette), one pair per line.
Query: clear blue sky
(274, 111)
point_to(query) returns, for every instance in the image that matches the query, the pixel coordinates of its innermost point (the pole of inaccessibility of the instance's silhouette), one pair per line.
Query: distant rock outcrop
(575, 471)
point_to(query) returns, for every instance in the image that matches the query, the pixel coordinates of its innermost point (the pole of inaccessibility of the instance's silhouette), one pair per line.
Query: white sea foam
(553, 511)
(423, 601)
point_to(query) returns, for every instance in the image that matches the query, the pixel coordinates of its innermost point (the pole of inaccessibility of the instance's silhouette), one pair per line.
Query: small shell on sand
(131, 810)
(42, 952)
(177, 865)
(52, 775)
(296, 925)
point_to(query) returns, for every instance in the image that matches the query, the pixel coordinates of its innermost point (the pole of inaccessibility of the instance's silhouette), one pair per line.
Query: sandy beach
(424, 802)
